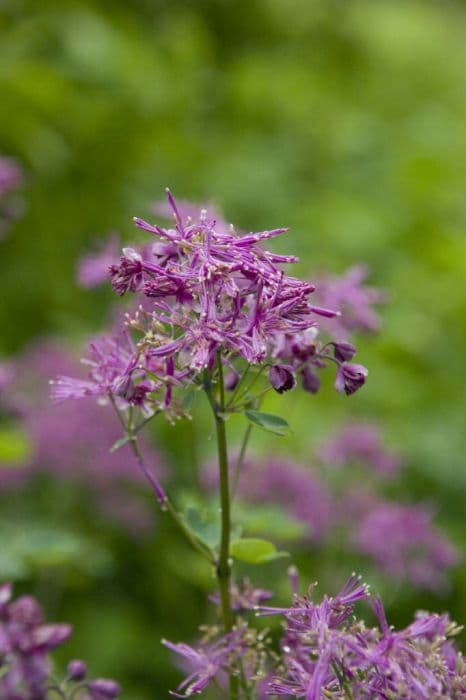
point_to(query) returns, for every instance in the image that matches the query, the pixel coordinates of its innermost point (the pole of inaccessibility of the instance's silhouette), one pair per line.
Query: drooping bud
(310, 381)
(77, 670)
(103, 689)
(282, 378)
(350, 377)
(344, 351)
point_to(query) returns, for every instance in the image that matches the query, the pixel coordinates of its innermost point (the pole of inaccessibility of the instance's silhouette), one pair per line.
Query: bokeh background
(345, 121)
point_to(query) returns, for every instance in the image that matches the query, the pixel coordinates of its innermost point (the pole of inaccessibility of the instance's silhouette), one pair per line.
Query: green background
(345, 121)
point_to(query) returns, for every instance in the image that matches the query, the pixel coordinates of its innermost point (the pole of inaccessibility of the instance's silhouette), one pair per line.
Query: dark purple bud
(103, 689)
(77, 670)
(344, 351)
(231, 380)
(310, 381)
(282, 378)
(350, 377)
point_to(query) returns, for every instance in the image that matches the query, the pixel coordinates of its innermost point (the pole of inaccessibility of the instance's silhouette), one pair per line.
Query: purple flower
(245, 596)
(354, 301)
(287, 484)
(74, 445)
(327, 651)
(350, 377)
(404, 543)
(282, 378)
(361, 442)
(94, 269)
(207, 660)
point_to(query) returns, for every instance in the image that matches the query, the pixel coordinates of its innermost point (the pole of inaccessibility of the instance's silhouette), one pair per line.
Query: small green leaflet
(269, 422)
(255, 551)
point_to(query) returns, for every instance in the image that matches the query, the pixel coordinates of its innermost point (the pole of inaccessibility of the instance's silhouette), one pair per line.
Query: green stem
(240, 460)
(223, 564)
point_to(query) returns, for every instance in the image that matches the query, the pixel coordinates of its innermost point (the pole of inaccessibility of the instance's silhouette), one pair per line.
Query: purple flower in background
(355, 302)
(404, 543)
(245, 596)
(288, 484)
(74, 445)
(11, 180)
(93, 268)
(363, 443)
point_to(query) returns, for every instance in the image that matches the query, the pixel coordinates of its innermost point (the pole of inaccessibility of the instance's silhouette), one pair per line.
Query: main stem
(223, 565)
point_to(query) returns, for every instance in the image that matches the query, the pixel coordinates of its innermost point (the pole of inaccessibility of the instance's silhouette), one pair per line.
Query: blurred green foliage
(343, 120)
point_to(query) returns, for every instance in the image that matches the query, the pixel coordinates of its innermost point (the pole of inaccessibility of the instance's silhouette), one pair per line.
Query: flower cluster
(205, 290)
(11, 179)
(327, 652)
(25, 665)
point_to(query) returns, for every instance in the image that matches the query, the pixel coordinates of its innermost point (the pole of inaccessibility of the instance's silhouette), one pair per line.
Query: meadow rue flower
(404, 543)
(207, 660)
(328, 652)
(26, 641)
(206, 289)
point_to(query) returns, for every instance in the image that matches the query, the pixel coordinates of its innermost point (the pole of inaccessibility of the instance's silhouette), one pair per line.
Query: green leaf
(205, 525)
(269, 422)
(271, 521)
(255, 551)
(119, 443)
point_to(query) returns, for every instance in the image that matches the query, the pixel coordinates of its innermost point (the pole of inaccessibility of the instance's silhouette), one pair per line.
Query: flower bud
(103, 689)
(282, 378)
(310, 381)
(77, 670)
(350, 377)
(344, 351)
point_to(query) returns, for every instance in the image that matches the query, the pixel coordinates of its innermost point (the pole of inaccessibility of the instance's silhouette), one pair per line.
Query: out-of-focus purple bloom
(327, 652)
(245, 596)
(74, 444)
(361, 442)
(94, 268)
(350, 377)
(25, 644)
(11, 179)
(355, 302)
(404, 543)
(288, 484)
(103, 689)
